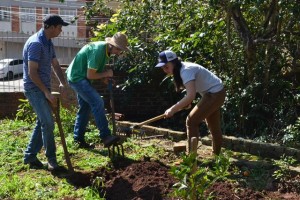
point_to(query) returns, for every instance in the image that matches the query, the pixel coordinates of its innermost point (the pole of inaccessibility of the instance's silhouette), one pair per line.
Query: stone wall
(232, 143)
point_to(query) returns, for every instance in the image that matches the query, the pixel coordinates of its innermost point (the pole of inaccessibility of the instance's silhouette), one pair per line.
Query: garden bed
(143, 173)
(150, 179)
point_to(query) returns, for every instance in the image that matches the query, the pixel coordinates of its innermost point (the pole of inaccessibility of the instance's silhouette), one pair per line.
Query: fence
(11, 77)
(140, 104)
(137, 105)
(11, 47)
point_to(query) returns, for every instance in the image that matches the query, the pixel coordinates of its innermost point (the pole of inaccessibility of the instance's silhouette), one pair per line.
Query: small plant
(97, 185)
(221, 166)
(25, 112)
(292, 135)
(198, 182)
(284, 164)
(68, 116)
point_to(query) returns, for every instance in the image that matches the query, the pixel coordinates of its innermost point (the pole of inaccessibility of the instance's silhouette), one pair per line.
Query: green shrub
(198, 182)
(292, 135)
(25, 112)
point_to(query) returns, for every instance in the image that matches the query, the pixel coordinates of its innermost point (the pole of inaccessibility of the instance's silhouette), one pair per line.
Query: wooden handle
(152, 120)
(56, 94)
(61, 132)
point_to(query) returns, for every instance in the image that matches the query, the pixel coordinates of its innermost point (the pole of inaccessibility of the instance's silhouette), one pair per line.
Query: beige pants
(208, 108)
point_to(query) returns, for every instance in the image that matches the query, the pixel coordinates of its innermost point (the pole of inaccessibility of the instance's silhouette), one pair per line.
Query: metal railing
(11, 46)
(12, 85)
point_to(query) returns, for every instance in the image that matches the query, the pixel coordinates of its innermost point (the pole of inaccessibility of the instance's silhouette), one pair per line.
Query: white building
(19, 19)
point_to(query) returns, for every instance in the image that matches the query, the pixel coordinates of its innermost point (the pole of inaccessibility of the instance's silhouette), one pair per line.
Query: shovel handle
(112, 105)
(151, 120)
(61, 132)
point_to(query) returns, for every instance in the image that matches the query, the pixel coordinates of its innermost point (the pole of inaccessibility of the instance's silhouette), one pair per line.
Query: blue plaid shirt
(38, 49)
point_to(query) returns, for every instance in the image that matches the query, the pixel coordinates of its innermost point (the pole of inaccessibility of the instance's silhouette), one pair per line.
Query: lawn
(149, 170)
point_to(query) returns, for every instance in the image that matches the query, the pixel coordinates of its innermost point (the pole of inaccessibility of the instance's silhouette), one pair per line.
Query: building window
(46, 11)
(68, 15)
(28, 14)
(4, 14)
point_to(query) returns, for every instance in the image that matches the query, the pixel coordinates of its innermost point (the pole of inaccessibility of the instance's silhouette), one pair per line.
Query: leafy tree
(252, 45)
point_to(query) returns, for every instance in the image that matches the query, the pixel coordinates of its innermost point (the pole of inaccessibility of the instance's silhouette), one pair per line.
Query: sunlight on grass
(91, 161)
(17, 181)
(137, 150)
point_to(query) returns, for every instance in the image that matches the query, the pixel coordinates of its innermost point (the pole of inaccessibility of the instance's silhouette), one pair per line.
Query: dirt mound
(145, 180)
(152, 180)
(229, 191)
(141, 180)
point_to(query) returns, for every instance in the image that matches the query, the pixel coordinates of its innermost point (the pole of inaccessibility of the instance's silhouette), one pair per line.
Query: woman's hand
(169, 113)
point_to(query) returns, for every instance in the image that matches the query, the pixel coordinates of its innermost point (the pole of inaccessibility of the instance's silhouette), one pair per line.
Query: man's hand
(51, 99)
(109, 73)
(92, 74)
(106, 81)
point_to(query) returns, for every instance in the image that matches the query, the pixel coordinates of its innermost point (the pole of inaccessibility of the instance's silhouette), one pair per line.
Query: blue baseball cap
(165, 57)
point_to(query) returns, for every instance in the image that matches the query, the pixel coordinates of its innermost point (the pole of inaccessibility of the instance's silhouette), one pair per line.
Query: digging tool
(154, 119)
(133, 127)
(149, 121)
(113, 118)
(141, 132)
(61, 133)
(112, 106)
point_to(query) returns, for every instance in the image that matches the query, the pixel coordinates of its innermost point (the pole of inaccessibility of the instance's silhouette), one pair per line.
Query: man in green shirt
(89, 64)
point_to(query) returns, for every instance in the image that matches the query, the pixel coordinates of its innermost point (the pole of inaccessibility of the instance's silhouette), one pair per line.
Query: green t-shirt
(93, 56)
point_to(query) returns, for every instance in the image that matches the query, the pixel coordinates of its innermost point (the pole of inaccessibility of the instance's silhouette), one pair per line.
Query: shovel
(61, 133)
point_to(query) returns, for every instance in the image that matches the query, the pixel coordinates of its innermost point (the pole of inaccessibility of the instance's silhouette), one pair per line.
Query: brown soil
(151, 180)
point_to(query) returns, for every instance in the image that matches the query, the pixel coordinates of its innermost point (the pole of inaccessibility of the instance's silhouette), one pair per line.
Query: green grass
(17, 181)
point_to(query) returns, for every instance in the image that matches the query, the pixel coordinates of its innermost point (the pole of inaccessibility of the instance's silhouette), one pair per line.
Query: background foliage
(252, 45)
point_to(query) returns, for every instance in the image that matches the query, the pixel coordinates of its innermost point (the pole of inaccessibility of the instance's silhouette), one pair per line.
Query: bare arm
(92, 74)
(185, 101)
(33, 74)
(58, 72)
(63, 89)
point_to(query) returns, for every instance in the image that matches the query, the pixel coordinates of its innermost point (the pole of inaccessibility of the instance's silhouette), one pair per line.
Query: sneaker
(52, 165)
(36, 164)
(110, 140)
(84, 145)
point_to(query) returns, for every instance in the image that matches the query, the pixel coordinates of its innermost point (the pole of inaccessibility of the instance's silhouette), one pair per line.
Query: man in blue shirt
(39, 55)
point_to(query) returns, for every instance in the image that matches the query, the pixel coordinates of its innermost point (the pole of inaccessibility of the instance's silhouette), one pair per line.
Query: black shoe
(36, 164)
(53, 165)
(110, 140)
(84, 145)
